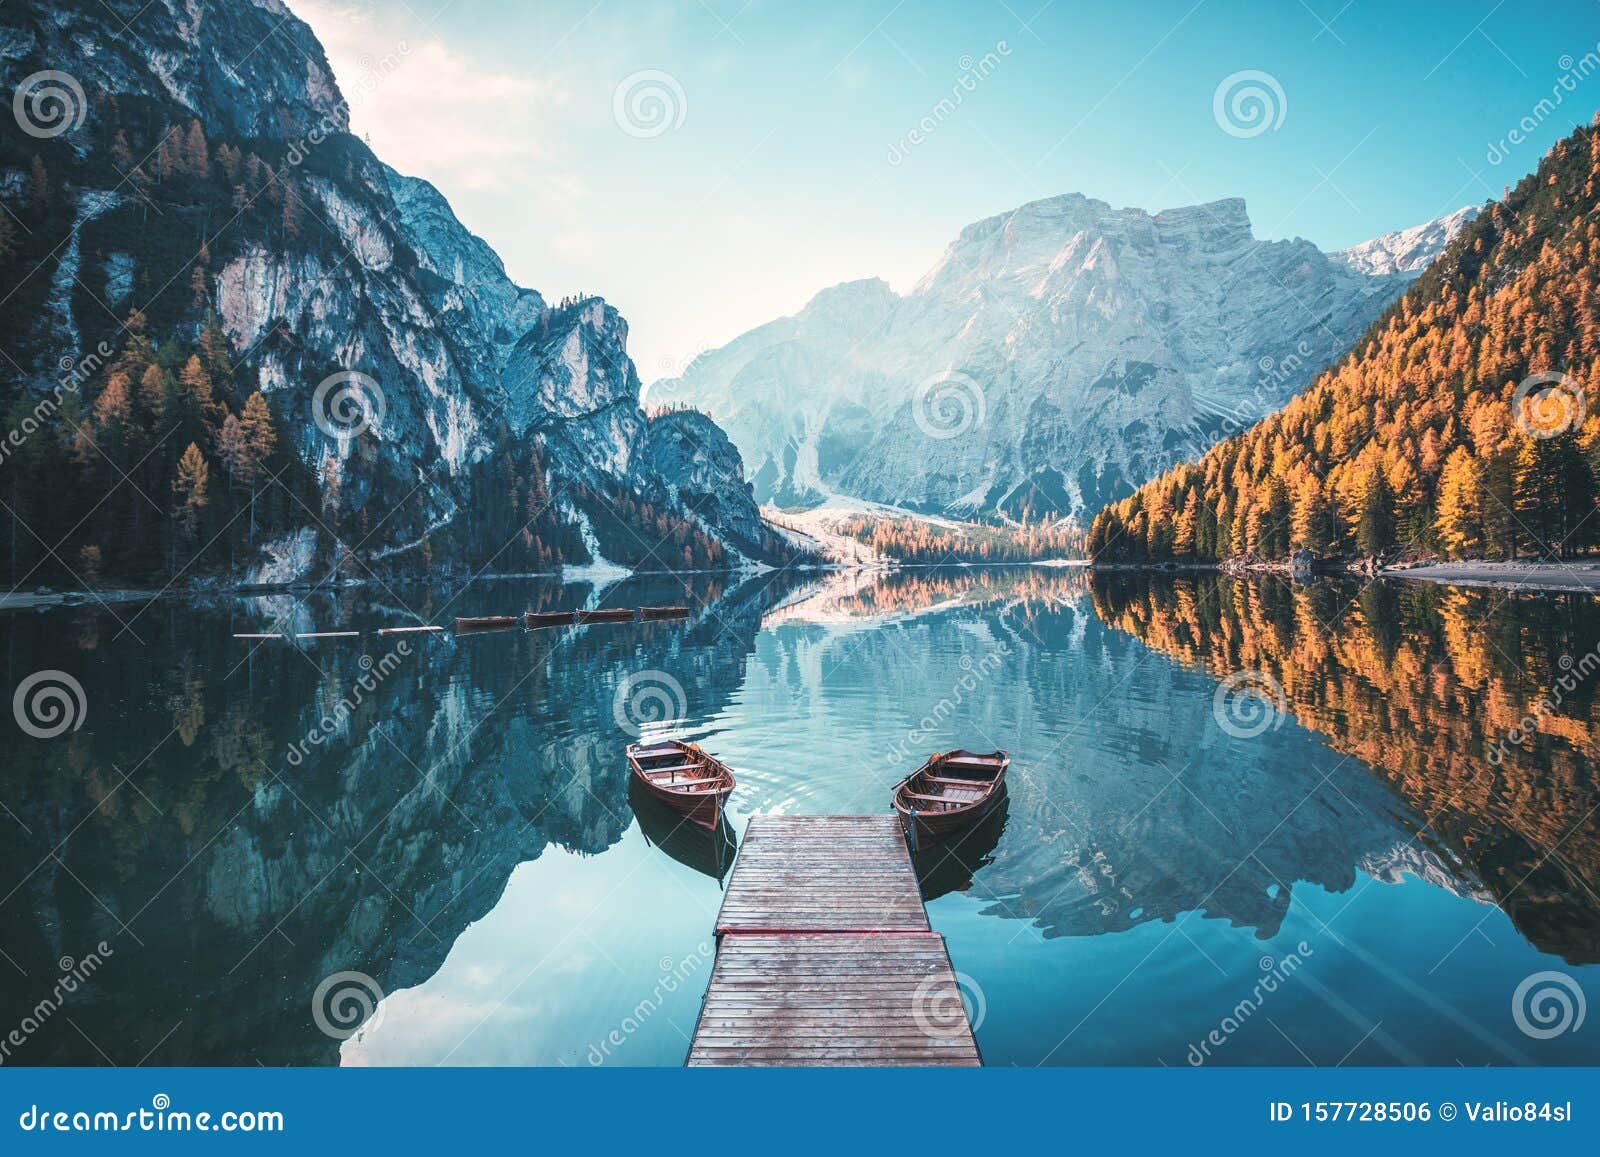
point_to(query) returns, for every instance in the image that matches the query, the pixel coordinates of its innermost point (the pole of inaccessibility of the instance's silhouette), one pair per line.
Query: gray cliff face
(1055, 356)
(246, 68)
(480, 379)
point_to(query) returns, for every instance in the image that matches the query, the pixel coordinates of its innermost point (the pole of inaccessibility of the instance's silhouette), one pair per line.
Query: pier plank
(825, 955)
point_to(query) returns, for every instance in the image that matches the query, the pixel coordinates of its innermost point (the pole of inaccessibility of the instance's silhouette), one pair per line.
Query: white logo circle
(49, 703)
(942, 1012)
(49, 103)
(347, 1002)
(1547, 404)
(649, 103)
(347, 403)
(947, 405)
(1248, 703)
(1548, 1004)
(649, 699)
(1248, 103)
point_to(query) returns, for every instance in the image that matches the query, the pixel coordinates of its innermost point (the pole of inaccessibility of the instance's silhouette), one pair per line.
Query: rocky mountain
(1460, 426)
(1056, 356)
(189, 191)
(1406, 250)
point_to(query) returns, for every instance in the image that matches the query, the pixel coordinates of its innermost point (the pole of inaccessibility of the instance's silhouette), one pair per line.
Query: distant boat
(949, 792)
(485, 623)
(663, 612)
(532, 619)
(684, 777)
(607, 615)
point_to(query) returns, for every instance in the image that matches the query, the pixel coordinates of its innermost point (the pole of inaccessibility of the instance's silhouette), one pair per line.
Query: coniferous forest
(159, 455)
(1462, 425)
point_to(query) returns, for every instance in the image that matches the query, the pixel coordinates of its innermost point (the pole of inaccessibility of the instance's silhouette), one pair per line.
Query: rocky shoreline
(1522, 575)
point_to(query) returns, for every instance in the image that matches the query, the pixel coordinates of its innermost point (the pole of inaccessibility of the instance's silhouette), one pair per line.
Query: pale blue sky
(777, 181)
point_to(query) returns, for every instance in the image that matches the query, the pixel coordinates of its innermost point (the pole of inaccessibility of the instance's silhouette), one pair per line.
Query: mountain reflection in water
(467, 839)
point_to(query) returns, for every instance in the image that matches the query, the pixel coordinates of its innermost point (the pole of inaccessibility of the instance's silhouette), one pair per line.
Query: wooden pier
(825, 956)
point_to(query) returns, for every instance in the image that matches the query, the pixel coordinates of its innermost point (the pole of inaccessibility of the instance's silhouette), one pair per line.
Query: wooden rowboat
(663, 612)
(687, 779)
(709, 851)
(949, 792)
(949, 865)
(607, 615)
(532, 619)
(486, 623)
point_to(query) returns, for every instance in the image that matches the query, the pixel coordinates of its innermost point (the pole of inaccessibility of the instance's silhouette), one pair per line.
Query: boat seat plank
(677, 783)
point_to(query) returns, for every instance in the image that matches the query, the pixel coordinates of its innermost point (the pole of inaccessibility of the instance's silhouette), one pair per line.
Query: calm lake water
(1249, 823)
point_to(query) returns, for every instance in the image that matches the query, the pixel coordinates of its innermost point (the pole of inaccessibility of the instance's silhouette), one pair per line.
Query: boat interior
(678, 768)
(954, 780)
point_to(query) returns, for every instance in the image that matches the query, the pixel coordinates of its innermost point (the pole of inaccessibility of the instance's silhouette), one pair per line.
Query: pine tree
(261, 437)
(196, 157)
(233, 453)
(1183, 539)
(155, 389)
(214, 344)
(189, 487)
(1459, 523)
(198, 409)
(112, 407)
(1375, 529)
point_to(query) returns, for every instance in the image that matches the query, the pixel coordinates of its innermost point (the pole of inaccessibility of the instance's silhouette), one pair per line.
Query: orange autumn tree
(1465, 422)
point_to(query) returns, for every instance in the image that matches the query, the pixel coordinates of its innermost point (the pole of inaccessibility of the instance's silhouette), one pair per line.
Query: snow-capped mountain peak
(1054, 356)
(1406, 250)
